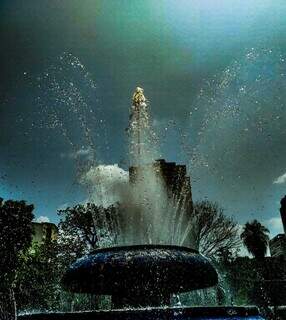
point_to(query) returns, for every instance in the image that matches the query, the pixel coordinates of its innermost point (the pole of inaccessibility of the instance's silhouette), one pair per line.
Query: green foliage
(255, 238)
(240, 276)
(259, 282)
(86, 227)
(78, 224)
(225, 256)
(38, 280)
(16, 236)
(38, 286)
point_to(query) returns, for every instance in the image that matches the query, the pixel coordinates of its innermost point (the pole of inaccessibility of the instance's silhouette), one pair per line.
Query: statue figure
(138, 97)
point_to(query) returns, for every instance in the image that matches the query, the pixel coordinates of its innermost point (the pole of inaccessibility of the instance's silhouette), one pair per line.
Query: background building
(277, 245)
(176, 180)
(44, 232)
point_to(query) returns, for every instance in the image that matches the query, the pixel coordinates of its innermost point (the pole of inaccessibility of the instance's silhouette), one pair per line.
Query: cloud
(105, 183)
(274, 225)
(83, 153)
(281, 179)
(41, 219)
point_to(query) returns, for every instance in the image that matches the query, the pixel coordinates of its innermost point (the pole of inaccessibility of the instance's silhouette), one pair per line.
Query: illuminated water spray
(142, 137)
(158, 215)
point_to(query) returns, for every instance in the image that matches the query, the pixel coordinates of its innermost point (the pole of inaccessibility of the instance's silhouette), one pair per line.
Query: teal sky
(213, 70)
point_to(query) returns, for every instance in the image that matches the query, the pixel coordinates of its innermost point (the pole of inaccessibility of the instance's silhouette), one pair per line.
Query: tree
(38, 284)
(255, 238)
(16, 236)
(38, 280)
(212, 231)
(225, 256)
(88, 226)
(82, 229)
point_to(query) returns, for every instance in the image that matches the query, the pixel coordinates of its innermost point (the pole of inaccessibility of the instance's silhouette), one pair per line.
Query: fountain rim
(137, 247)
(193, 311)
(114, 270)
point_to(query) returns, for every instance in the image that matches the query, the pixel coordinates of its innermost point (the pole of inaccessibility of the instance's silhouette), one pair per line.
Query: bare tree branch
(212, 230)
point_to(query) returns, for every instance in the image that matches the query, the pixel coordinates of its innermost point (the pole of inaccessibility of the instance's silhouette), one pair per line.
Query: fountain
(142, 275)
(141, 278)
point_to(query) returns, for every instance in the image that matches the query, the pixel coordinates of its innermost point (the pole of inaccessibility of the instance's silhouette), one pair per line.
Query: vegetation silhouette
(255, 238)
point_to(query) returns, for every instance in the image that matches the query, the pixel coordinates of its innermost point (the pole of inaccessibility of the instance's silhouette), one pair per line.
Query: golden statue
(138, 97)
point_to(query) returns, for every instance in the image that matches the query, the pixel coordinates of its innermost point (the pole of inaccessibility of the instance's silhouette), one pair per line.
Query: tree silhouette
(212, 231)
(255, 238)
(15, 238)
(88, 226)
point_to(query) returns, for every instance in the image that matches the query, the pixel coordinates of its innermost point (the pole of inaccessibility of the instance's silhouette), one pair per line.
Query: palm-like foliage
(255, 238)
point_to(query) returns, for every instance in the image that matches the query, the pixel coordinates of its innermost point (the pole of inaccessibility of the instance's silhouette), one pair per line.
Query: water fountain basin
(140, 275)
